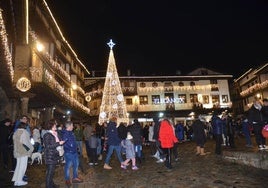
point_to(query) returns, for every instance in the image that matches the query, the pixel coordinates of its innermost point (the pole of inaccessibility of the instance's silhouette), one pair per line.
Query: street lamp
(39, 46)
(74, 86)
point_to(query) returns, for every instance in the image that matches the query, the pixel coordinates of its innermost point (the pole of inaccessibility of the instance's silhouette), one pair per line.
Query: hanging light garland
(52, 83)
(255, 87)
(57, 67)
(6, 52)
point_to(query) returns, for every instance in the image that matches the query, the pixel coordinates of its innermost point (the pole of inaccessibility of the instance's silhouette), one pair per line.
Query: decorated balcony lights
(5, 47)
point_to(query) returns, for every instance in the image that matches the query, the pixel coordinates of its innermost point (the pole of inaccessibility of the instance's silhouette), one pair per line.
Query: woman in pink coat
(167, 139)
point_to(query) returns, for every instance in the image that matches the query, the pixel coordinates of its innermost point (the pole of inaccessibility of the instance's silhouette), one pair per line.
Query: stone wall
(257, 159)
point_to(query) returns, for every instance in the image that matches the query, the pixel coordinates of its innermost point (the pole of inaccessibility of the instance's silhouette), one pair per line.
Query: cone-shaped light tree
(113, 103)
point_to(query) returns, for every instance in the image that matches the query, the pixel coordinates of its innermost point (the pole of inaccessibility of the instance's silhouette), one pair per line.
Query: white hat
(129, 136)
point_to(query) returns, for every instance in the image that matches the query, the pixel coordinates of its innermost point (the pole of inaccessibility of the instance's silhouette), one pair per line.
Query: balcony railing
(53, 84)
(254, 88)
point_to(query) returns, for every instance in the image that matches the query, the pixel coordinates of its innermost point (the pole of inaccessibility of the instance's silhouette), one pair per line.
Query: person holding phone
(51, 142)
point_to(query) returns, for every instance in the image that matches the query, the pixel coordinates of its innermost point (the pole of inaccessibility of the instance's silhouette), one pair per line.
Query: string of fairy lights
(52, 82)
(48, 77)
(254, 88)
(160, 89)
(6, 51)
(112, 104)
(56, 86)
(56, 66)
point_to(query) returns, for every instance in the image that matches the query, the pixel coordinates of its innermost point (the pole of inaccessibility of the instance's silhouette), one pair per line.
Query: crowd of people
(64, 143)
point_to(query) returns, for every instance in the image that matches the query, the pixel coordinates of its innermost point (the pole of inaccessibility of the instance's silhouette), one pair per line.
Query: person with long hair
(51, 142)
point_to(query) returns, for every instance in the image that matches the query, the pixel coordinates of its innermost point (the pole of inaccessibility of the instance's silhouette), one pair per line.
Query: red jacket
(167, 136)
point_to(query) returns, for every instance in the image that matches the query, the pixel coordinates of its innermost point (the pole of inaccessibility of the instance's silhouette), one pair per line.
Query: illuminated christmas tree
(113, 103)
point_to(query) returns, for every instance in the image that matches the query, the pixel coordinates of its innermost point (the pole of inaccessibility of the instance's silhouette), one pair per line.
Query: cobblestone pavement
(190, 171)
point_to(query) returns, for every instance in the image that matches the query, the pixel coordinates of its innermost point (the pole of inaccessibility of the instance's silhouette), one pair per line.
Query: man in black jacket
(264, 111)
(136, 131)
(122, 134)
(5, 131)
(256, 120)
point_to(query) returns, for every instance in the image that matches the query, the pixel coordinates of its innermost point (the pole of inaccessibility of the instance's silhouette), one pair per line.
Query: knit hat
(129, 136)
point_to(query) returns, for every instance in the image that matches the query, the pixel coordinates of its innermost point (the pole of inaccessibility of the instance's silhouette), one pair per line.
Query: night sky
(156, 37)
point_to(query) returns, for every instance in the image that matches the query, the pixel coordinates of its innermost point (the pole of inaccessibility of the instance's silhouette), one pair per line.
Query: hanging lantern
(23, 84)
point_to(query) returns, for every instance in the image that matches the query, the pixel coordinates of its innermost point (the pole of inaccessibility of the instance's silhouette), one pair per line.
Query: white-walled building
(253, 83)
(146, 97)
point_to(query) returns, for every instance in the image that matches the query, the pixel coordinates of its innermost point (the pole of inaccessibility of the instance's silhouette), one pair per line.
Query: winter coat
(136, 131)
(156, 129)
(112, 134)
(27, 127)
(264, 111)
(199, 131)
(217, 125)
(179, 131)
(78, 134)
(20, 137)
(130, 152)
(255, 116)
(70, 145)
(5, 132)
(122, 131)
(167, 136)
(87, 132)
(51, 154)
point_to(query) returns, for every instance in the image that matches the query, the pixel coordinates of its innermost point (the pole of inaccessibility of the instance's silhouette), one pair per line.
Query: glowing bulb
(39, 47)
(74, 86)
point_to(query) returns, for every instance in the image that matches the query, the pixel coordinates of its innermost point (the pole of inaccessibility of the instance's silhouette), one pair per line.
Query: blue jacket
(112, 134)
(27, 127)
(70, 142)
(217, 125)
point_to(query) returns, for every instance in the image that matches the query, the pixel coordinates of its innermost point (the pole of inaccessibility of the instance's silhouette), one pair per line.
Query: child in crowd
(93, 145)
(130, 152)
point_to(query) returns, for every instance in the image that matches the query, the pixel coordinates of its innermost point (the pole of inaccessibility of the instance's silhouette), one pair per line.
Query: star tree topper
(111, 44)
